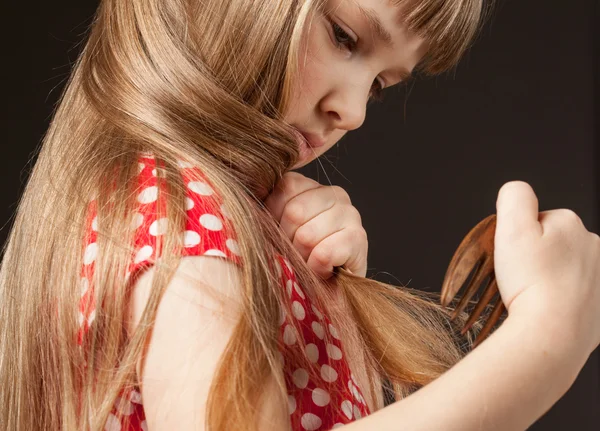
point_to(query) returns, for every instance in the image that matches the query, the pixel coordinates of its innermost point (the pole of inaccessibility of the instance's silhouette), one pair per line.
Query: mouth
(311, 139)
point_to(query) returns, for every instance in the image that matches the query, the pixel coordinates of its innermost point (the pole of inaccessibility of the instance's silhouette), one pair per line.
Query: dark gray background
(426, 166)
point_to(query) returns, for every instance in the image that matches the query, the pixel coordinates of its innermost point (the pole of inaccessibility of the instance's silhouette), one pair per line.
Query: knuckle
(354, 211)
(322, 254)
(570, 216)
(358, 233)
(341, 193)
(294, 212)
(304, 235)
(291, 180)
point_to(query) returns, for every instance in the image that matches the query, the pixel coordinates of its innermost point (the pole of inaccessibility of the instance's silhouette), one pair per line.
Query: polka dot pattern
(318, 403)
(332, 398)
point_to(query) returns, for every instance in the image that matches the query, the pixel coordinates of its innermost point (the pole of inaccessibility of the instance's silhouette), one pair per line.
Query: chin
(299, 164)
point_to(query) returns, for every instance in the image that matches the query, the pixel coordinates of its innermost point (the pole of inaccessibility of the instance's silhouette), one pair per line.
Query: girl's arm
(195, 319)
(505, 384)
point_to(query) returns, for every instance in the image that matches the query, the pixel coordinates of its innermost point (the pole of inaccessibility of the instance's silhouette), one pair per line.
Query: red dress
(208, 232)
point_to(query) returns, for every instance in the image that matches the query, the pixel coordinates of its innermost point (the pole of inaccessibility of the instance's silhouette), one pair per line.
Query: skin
(331, 98)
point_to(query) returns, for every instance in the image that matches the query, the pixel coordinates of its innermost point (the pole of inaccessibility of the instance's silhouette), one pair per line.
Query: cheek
(313, 67)
(310, 83)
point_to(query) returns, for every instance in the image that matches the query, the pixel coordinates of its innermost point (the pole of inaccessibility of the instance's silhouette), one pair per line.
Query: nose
(346, 107)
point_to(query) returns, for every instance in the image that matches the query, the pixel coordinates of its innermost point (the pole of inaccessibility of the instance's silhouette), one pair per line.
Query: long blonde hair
(206, 82)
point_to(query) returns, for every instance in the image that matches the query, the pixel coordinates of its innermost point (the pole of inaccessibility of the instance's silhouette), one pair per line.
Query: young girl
(165, 270)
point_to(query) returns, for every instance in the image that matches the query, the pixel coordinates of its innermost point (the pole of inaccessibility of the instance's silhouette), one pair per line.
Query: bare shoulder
(202, 282)
(195, 320)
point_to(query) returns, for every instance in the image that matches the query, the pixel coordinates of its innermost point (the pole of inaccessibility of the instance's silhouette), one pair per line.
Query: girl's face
(348, 60)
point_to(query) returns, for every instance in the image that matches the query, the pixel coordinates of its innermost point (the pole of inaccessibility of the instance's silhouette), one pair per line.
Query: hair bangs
(448, 26)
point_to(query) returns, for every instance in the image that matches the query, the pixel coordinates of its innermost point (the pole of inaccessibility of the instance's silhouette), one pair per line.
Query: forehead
(385, 18)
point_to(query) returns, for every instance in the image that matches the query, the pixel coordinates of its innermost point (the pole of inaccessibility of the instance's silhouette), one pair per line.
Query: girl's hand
(321, 223)
(547, 265)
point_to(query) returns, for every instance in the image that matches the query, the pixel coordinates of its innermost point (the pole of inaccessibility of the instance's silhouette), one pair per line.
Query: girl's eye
(344, 40)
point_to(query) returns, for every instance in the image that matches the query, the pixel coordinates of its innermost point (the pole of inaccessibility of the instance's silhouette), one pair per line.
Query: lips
(312, 140)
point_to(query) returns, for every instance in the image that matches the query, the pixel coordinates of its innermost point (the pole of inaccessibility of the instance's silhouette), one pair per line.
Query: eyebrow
(383, 35)
(375, 24)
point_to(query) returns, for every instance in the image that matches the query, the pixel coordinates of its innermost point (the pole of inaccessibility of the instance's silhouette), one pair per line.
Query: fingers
(338, 218)
(291, 185)
(306, 206)
(517, 209)
(328, 253)
(322, 224)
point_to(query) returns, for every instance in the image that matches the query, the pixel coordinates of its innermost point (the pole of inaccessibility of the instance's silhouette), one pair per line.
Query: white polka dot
(81, 318)
(191, 238)
(154, 172)
(112, 423)
(334, 352)
(333, 331)
(281, 358)
(353, 378)
(278, 269)
(211, 222)
(328, 373)
(159, 227)
(141, 167)
(357, 413)
(124, 406)
(320, 397)
(291, 404)
(84, 285)
(337, 425)
(282, 316)
(317, 312)
(300, 378)
(225, 211)
(318, 329)
(310, 421)
(136, 220)
(298, 310)
(347, 408)
(214, 252)
(288, 287)
(201, 188)
(143, 254)
(148, 195)
(189, 204)
(233, 246)
(355, 392)
(91, 251)
(312, 351)
(184, 165)
(287, 263)
(91, 317)
(300, 292)
(289, 335)
(95, 224)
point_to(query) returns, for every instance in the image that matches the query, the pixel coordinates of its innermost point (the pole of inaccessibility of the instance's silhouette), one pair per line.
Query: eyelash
(377, 92)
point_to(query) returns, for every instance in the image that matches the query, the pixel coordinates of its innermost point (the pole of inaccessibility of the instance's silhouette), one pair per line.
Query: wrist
(554, 333)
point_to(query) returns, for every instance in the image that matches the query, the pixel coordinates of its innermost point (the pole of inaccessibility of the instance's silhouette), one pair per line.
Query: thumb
(517, 212)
